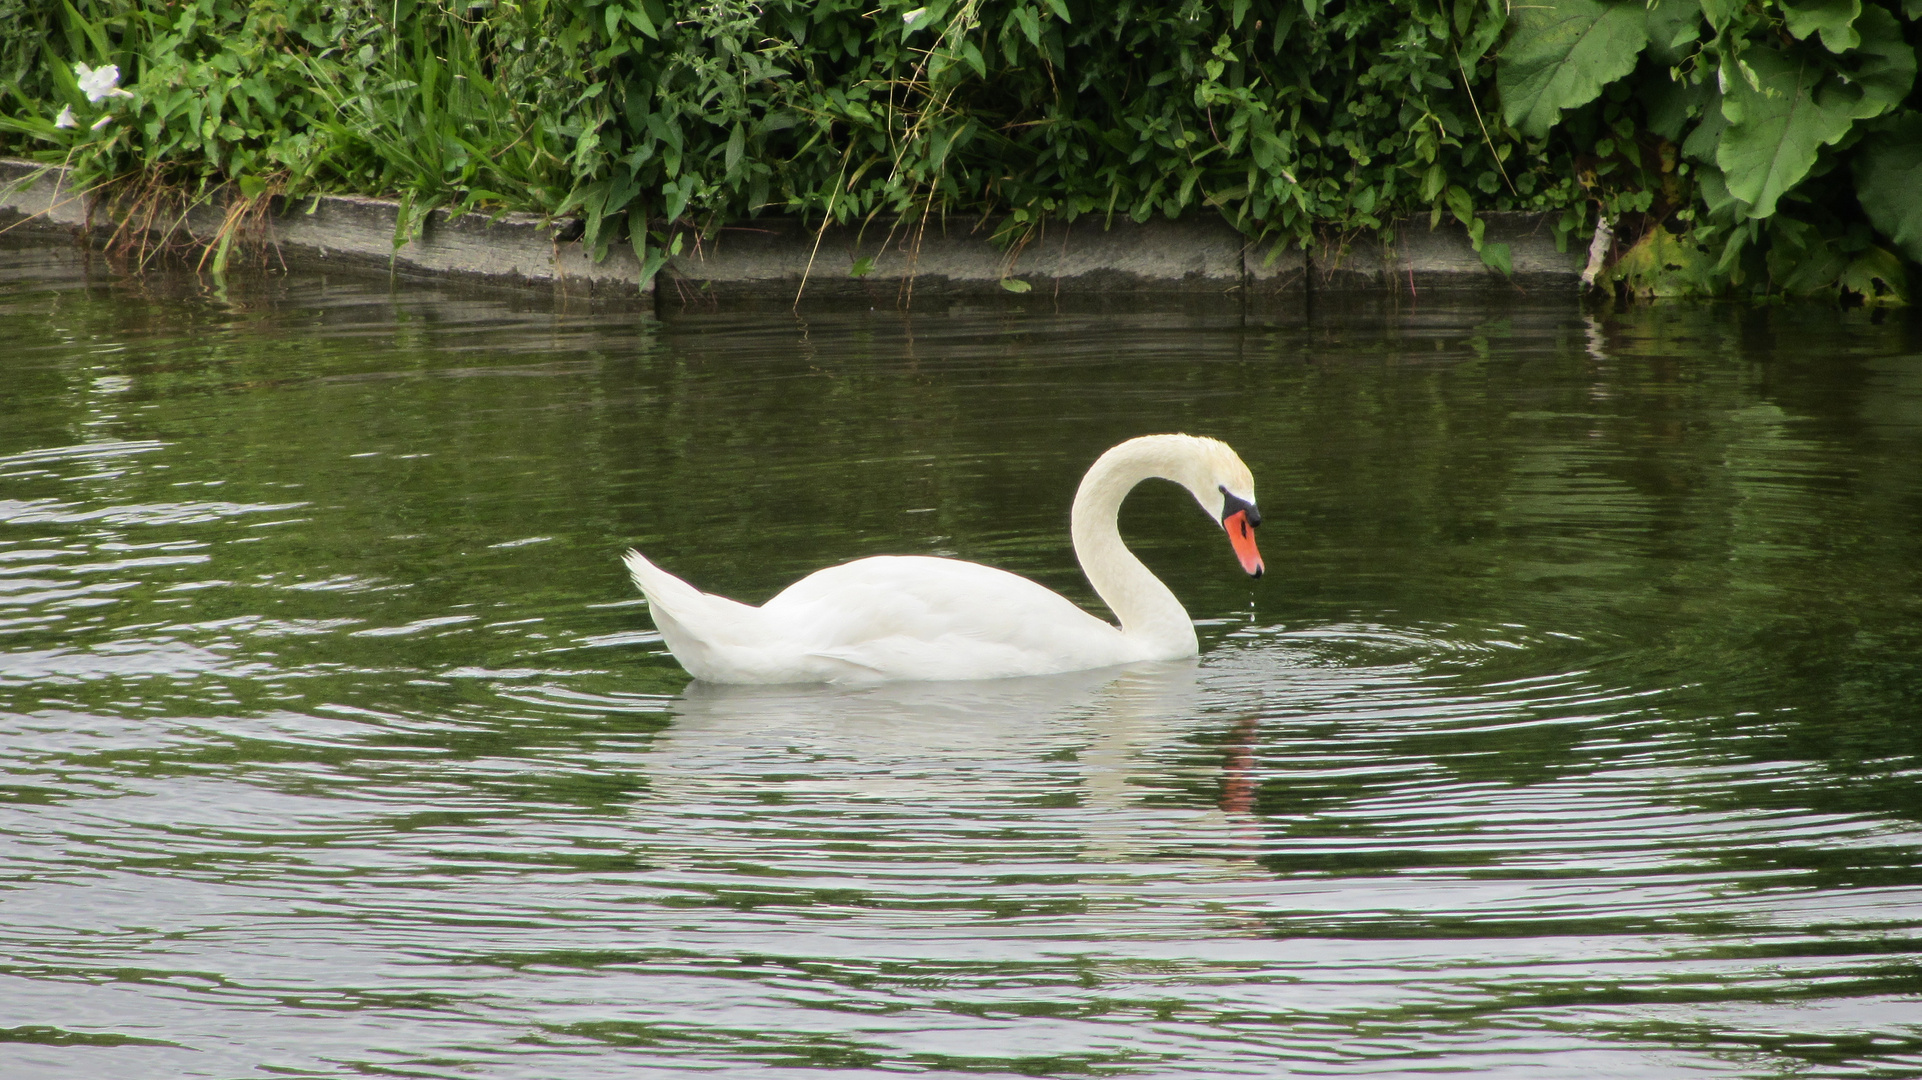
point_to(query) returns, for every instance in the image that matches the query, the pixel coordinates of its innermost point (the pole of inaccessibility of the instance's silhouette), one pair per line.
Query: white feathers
(911, 617)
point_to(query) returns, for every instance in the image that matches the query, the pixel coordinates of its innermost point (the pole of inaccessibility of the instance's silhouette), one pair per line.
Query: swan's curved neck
(1148, 611)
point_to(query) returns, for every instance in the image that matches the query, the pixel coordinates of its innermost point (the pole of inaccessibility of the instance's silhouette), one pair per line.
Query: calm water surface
(1576, 730)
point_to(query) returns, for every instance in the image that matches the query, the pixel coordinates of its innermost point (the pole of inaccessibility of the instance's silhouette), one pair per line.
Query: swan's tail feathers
(702, 616)
(659, 586)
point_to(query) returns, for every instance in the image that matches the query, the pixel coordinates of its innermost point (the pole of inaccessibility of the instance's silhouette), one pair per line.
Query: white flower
(99, 84)
(65, 119)
(100, 123)
(914, 16)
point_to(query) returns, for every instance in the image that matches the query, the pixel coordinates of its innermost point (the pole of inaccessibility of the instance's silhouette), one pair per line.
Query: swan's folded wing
(928, 618)
(938, 659)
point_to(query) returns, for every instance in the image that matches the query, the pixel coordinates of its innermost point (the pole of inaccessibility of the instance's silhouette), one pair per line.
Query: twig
(827, 218)
(57, 202)
(1459, 66)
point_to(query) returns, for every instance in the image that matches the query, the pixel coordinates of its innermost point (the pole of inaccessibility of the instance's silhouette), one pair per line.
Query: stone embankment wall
(884, 262)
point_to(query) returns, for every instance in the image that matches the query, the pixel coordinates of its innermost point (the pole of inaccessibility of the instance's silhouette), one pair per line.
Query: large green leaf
(1702, 142)
(1774, 133)
(1884, 67)
(1878, 277)
(1664, 265)
(1561, 54)
(1833, 19)
(1888, 180)
(1721, 205)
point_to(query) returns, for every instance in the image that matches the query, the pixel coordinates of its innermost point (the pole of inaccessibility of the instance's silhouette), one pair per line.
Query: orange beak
(1241, 536)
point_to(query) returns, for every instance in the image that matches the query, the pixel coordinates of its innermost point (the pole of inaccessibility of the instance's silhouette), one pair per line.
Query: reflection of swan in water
(954, 723)
(953, 745)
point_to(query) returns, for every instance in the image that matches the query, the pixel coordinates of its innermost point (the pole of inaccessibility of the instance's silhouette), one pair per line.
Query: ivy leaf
(1561, 55)
(1773, 134)
(1888, 181)
(1833, 19)
(1015, 285)
(1497, 257)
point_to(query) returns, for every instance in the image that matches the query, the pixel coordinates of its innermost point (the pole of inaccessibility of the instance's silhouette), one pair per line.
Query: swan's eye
(1231, 504)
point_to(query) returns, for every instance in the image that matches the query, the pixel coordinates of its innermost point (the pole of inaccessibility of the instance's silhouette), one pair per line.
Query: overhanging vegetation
(1767, 148)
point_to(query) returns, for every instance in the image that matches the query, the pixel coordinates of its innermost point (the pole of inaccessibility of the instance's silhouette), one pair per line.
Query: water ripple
(1572, 734)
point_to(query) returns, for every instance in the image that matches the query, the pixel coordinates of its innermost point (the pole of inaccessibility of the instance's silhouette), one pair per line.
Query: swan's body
(903, 617)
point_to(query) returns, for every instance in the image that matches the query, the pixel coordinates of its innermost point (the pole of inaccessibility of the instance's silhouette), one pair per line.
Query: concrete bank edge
(883, 263)
(348, 231)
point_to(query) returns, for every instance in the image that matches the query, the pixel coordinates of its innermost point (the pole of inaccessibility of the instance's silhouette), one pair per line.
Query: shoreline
(886, 262)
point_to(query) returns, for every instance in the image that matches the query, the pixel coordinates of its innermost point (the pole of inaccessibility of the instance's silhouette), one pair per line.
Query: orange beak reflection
(1241, 536)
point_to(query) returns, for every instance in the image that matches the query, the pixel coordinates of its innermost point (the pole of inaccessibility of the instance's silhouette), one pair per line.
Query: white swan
(916, 617)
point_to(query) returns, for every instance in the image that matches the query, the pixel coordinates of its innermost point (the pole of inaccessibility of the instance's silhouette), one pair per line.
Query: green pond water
(1576, 729)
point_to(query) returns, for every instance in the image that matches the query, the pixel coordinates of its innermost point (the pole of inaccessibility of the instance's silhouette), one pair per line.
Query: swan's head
(1226, 490)
(1211, 472)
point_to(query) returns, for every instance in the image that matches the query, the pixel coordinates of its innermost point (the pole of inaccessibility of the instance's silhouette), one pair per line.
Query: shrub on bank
(1769, 147)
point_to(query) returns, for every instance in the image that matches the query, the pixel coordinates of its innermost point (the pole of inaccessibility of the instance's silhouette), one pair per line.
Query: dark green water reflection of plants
(1577, 729)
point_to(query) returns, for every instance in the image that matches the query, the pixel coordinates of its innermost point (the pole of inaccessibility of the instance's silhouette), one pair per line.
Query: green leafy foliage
(1674, 27)
(1877, 276)
(1753, 108)
(1833, 19)
(1662, 265)
(1776, 125)
(23, 34)
(1883, 69)
(1888, 179)
(1561, 54)
(1741, 132)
